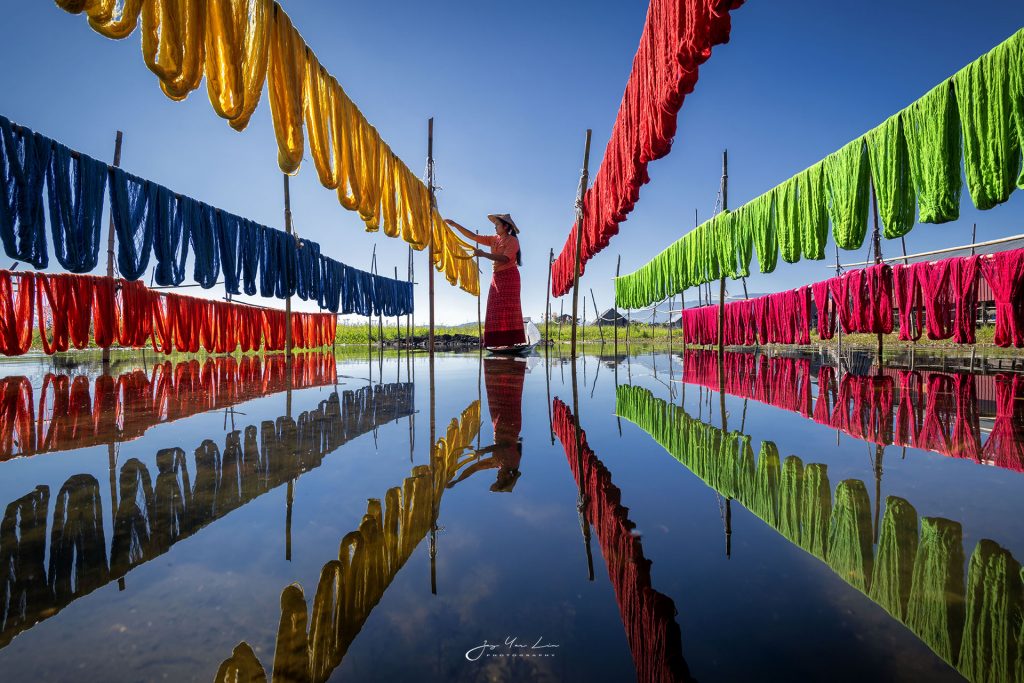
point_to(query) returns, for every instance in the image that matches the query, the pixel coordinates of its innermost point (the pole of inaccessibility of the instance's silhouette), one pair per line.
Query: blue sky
(512, 87)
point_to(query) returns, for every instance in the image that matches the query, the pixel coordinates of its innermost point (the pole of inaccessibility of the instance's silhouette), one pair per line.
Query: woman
(503, 325)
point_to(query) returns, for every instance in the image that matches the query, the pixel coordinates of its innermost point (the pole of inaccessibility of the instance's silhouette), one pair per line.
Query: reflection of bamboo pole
(879, 452)
(581, 496)
(110, 241)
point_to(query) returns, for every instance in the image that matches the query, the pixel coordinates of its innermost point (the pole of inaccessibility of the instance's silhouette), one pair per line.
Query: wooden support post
(629, 325)
(369, 319)
(432, 549)
(479, 320)
(547, 300)
(110, 248)
(287, 301)
(877, 237)
(430, 263)
(597, 315)
(561, 314)
(411, 318)
(721, 282)
(584, 181)
(398, 319)
(618, 262)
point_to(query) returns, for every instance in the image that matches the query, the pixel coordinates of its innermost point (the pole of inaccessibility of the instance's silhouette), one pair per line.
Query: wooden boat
(532, 339)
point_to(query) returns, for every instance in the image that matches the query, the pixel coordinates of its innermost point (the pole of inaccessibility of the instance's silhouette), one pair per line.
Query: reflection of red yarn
(73, 414)
(130, 315)
(883, 409)
(647, 615)
(677, 39)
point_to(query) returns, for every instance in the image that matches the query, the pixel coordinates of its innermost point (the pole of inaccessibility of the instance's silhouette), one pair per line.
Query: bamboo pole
(561, 313)
(398, 320)
(479, 323)
(432, 550)
(547, 300)
(288, 300)
(597, 315)
(618, 262)
(584, 180)
(877, 239)
(721, 283)
(430, 263)
(110, 247)
(369, 319)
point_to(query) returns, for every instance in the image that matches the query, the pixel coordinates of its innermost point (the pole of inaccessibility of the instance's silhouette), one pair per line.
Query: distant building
(612, 317)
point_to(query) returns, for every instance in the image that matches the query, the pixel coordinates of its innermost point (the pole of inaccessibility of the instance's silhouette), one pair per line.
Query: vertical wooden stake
(287, 301)
(877, 237)
(547, 301)
(398, 320)
(584, 181)
(597, 315)
(430, 263)
(618, 263)
(110, 248)
(479, 323)
(721, 285)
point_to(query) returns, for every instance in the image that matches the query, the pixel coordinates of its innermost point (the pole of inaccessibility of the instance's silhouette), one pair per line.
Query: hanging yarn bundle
(241, 44)
(677, 38)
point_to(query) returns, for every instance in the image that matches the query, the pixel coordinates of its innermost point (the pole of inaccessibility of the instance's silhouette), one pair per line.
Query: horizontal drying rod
(1001, 240)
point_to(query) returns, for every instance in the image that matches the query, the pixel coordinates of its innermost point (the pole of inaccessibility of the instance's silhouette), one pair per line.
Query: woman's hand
(453, 224)
(481, 252)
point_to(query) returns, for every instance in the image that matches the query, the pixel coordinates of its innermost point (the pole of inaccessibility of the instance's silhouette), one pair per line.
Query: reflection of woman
(504, 379)
(503, 325)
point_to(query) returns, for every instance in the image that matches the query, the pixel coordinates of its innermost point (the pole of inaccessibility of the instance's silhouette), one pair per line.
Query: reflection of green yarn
(993, 618)
(849, 534)
(745, 474)
(790, 494)
(816, 510)
(765, 502)
(894, 565)
(935, 611)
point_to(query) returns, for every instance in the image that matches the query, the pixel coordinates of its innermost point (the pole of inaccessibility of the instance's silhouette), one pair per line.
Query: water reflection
(648, 616)
(310, 645)
(503, 378)
(916, 569)
(72, 411)
(937, 411)
(155, 512)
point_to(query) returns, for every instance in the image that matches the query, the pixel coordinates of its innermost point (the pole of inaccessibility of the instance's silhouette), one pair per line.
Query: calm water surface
(232, 520)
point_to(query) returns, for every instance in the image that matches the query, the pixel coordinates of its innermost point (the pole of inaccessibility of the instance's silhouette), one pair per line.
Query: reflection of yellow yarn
(368, 560)
(239, 45)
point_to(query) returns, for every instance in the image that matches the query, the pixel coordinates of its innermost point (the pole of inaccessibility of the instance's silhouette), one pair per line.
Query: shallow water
(847, 526)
